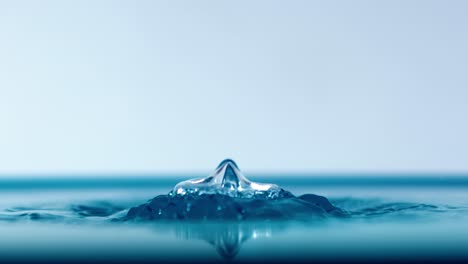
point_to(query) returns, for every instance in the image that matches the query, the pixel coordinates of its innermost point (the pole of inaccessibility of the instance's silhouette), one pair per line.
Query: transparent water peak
(227, 179)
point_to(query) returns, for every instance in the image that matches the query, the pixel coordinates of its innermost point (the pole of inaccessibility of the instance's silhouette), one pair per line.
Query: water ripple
(103, 210)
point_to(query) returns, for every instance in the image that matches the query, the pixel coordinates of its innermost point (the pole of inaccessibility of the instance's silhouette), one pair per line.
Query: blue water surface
(400, 217)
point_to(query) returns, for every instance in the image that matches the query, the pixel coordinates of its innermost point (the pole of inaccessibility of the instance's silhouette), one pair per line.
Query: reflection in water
(226, 238)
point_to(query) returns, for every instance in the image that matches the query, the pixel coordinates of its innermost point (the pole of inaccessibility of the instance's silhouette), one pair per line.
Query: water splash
(227, 179)
(228, 195)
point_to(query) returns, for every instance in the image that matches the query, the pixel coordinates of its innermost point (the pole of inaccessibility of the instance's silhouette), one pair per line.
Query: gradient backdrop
(177, 86)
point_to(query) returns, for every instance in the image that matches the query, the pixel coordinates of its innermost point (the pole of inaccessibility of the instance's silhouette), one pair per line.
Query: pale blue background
(300, 86)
